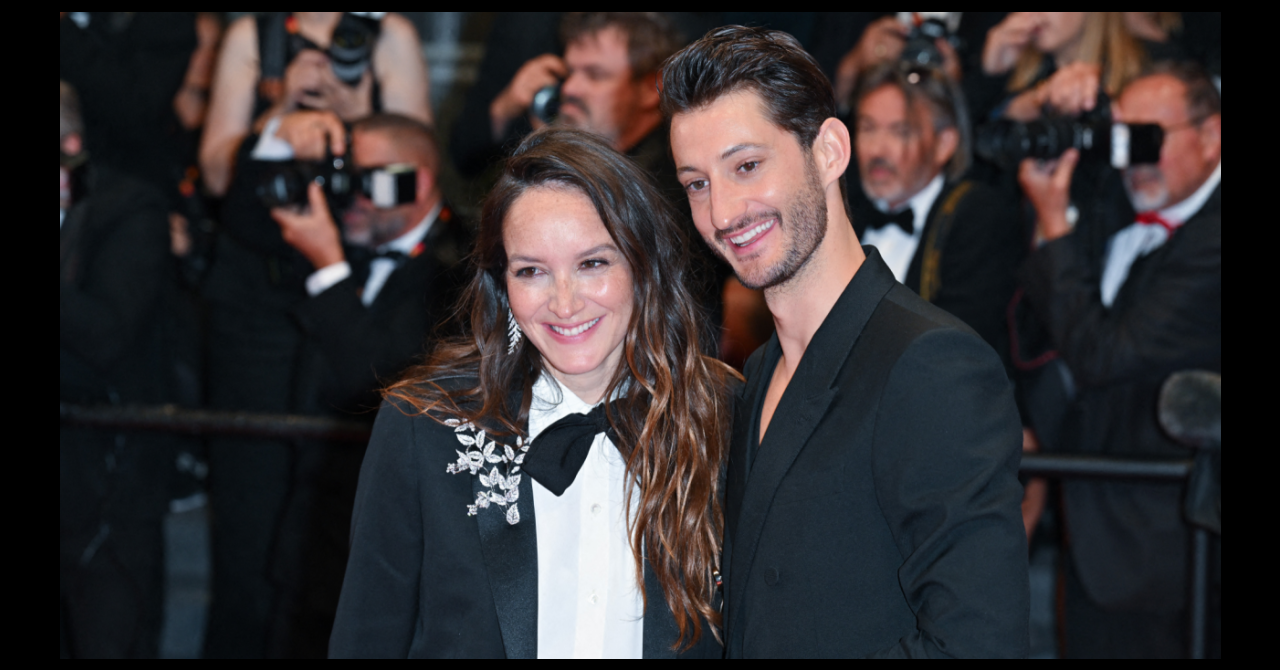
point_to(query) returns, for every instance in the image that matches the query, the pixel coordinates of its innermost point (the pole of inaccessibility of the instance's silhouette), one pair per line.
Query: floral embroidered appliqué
(479, 452)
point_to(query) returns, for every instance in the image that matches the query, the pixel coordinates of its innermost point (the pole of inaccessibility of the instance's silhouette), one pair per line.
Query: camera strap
(936, 240)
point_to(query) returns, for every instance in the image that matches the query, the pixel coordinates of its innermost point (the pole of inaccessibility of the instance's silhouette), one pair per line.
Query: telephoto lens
(1007, 143)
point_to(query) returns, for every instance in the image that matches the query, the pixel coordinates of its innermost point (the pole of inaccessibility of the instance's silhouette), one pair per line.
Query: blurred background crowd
(270, 213)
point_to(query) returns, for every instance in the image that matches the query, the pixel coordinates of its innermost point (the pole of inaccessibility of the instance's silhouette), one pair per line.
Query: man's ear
(1211, 137)
(832, 150)
(649, 95)
(426, 183)
(72, 144)
(945, 147)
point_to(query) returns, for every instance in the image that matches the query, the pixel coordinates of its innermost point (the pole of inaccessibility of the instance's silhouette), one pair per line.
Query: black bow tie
(397, 256)
(905, 220)
(559, 451)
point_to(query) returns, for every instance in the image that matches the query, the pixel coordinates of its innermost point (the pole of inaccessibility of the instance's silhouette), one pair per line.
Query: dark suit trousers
(252, 355)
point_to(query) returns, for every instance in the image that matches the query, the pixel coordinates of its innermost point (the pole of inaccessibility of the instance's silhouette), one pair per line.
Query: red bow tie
(1154, 218)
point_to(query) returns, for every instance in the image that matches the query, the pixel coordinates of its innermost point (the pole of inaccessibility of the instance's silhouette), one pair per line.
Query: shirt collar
(552, 401)
(406, 242)
(920, 203)
(1179, 213)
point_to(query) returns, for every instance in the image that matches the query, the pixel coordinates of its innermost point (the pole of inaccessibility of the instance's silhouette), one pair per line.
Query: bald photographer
(1122, 321)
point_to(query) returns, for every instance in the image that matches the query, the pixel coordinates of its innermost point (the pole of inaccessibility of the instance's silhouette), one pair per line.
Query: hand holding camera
(1047, 184)
(311, 230)
(313, 134)
(516, 99)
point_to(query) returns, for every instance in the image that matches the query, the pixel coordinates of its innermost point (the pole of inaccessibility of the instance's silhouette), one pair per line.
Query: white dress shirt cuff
(270, 147)
(324, 279)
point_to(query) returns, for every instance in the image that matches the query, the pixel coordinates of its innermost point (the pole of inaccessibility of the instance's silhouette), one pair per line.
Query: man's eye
(748, 166)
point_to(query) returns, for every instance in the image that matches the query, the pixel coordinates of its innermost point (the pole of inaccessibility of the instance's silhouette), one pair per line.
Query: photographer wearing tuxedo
(872, 499)
(953, 241)
(1152, 306)
(383, 279)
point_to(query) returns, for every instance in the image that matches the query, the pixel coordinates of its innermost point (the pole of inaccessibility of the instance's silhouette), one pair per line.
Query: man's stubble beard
(806, 219)
(383, 227)
(1153, 198)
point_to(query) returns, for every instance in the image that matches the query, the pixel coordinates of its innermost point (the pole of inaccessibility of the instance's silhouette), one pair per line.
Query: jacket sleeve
(1177, 323)
(378, 609)
(947, 447)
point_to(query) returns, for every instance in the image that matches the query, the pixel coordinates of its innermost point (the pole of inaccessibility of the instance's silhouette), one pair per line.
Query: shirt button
(594, 598)
(595, 509)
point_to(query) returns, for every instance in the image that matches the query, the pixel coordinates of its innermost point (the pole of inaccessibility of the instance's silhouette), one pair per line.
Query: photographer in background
(113, 487)
(607, 84)
(281, 77)
(953, 241)
(280, 62)
(383, 279)
(1151, 306)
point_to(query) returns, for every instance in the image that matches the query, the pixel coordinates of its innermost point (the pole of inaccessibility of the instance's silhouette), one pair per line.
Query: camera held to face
(1094, 135)
(285, 183)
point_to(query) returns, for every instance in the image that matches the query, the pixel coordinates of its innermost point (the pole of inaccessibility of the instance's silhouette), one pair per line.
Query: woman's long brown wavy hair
(673, 422)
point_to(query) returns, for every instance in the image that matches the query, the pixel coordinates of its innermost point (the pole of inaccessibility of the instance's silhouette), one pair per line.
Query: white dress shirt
(589, 602)
(897, 248)
(1139, 239)
(380, 269)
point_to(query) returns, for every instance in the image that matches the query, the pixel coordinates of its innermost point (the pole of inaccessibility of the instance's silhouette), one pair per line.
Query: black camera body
(285, 183)
(921, 49)
(1097, 138)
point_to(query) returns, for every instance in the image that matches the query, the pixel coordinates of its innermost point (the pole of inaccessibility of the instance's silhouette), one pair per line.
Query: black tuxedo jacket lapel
(511, 558)
(800, 410)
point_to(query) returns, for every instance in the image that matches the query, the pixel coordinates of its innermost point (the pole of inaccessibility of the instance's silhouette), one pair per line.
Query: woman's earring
(513, 332)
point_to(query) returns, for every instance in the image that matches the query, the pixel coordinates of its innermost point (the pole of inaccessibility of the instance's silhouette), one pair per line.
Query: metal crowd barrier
(208, 423)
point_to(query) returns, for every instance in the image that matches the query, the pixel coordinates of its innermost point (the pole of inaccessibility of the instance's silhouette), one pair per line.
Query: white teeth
(570, 332)
(746, 237)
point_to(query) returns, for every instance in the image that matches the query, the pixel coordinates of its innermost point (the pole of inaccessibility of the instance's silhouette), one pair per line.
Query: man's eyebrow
(739, 147)
(723, 156)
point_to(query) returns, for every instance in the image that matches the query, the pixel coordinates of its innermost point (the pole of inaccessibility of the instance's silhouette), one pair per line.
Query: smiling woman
(579, 366)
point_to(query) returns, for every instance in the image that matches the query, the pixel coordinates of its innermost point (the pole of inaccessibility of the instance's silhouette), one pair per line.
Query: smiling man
(872, 504)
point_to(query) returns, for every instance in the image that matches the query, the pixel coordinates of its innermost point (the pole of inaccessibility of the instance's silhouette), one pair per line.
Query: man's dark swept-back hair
(771, 63)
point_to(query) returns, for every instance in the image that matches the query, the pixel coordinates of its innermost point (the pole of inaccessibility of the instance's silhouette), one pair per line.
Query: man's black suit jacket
(880, 515)
(974, 263)
(351, 350)
(1128, 539)
(426, 580)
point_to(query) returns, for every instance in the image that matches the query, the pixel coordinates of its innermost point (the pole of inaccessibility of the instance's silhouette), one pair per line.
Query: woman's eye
(594, 263)
(696, 185)
(748, 166)
(526, 272)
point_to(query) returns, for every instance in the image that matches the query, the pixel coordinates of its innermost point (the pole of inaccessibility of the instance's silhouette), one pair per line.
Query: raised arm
(230, 104)
(402, 70)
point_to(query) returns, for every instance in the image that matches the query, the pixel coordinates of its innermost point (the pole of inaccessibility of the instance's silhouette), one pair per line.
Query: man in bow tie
(380, 284)
(953, 241)
(1150, 307)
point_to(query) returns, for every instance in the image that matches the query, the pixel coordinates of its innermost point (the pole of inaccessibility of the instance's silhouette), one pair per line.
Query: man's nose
(727, 205)
(565, 301)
